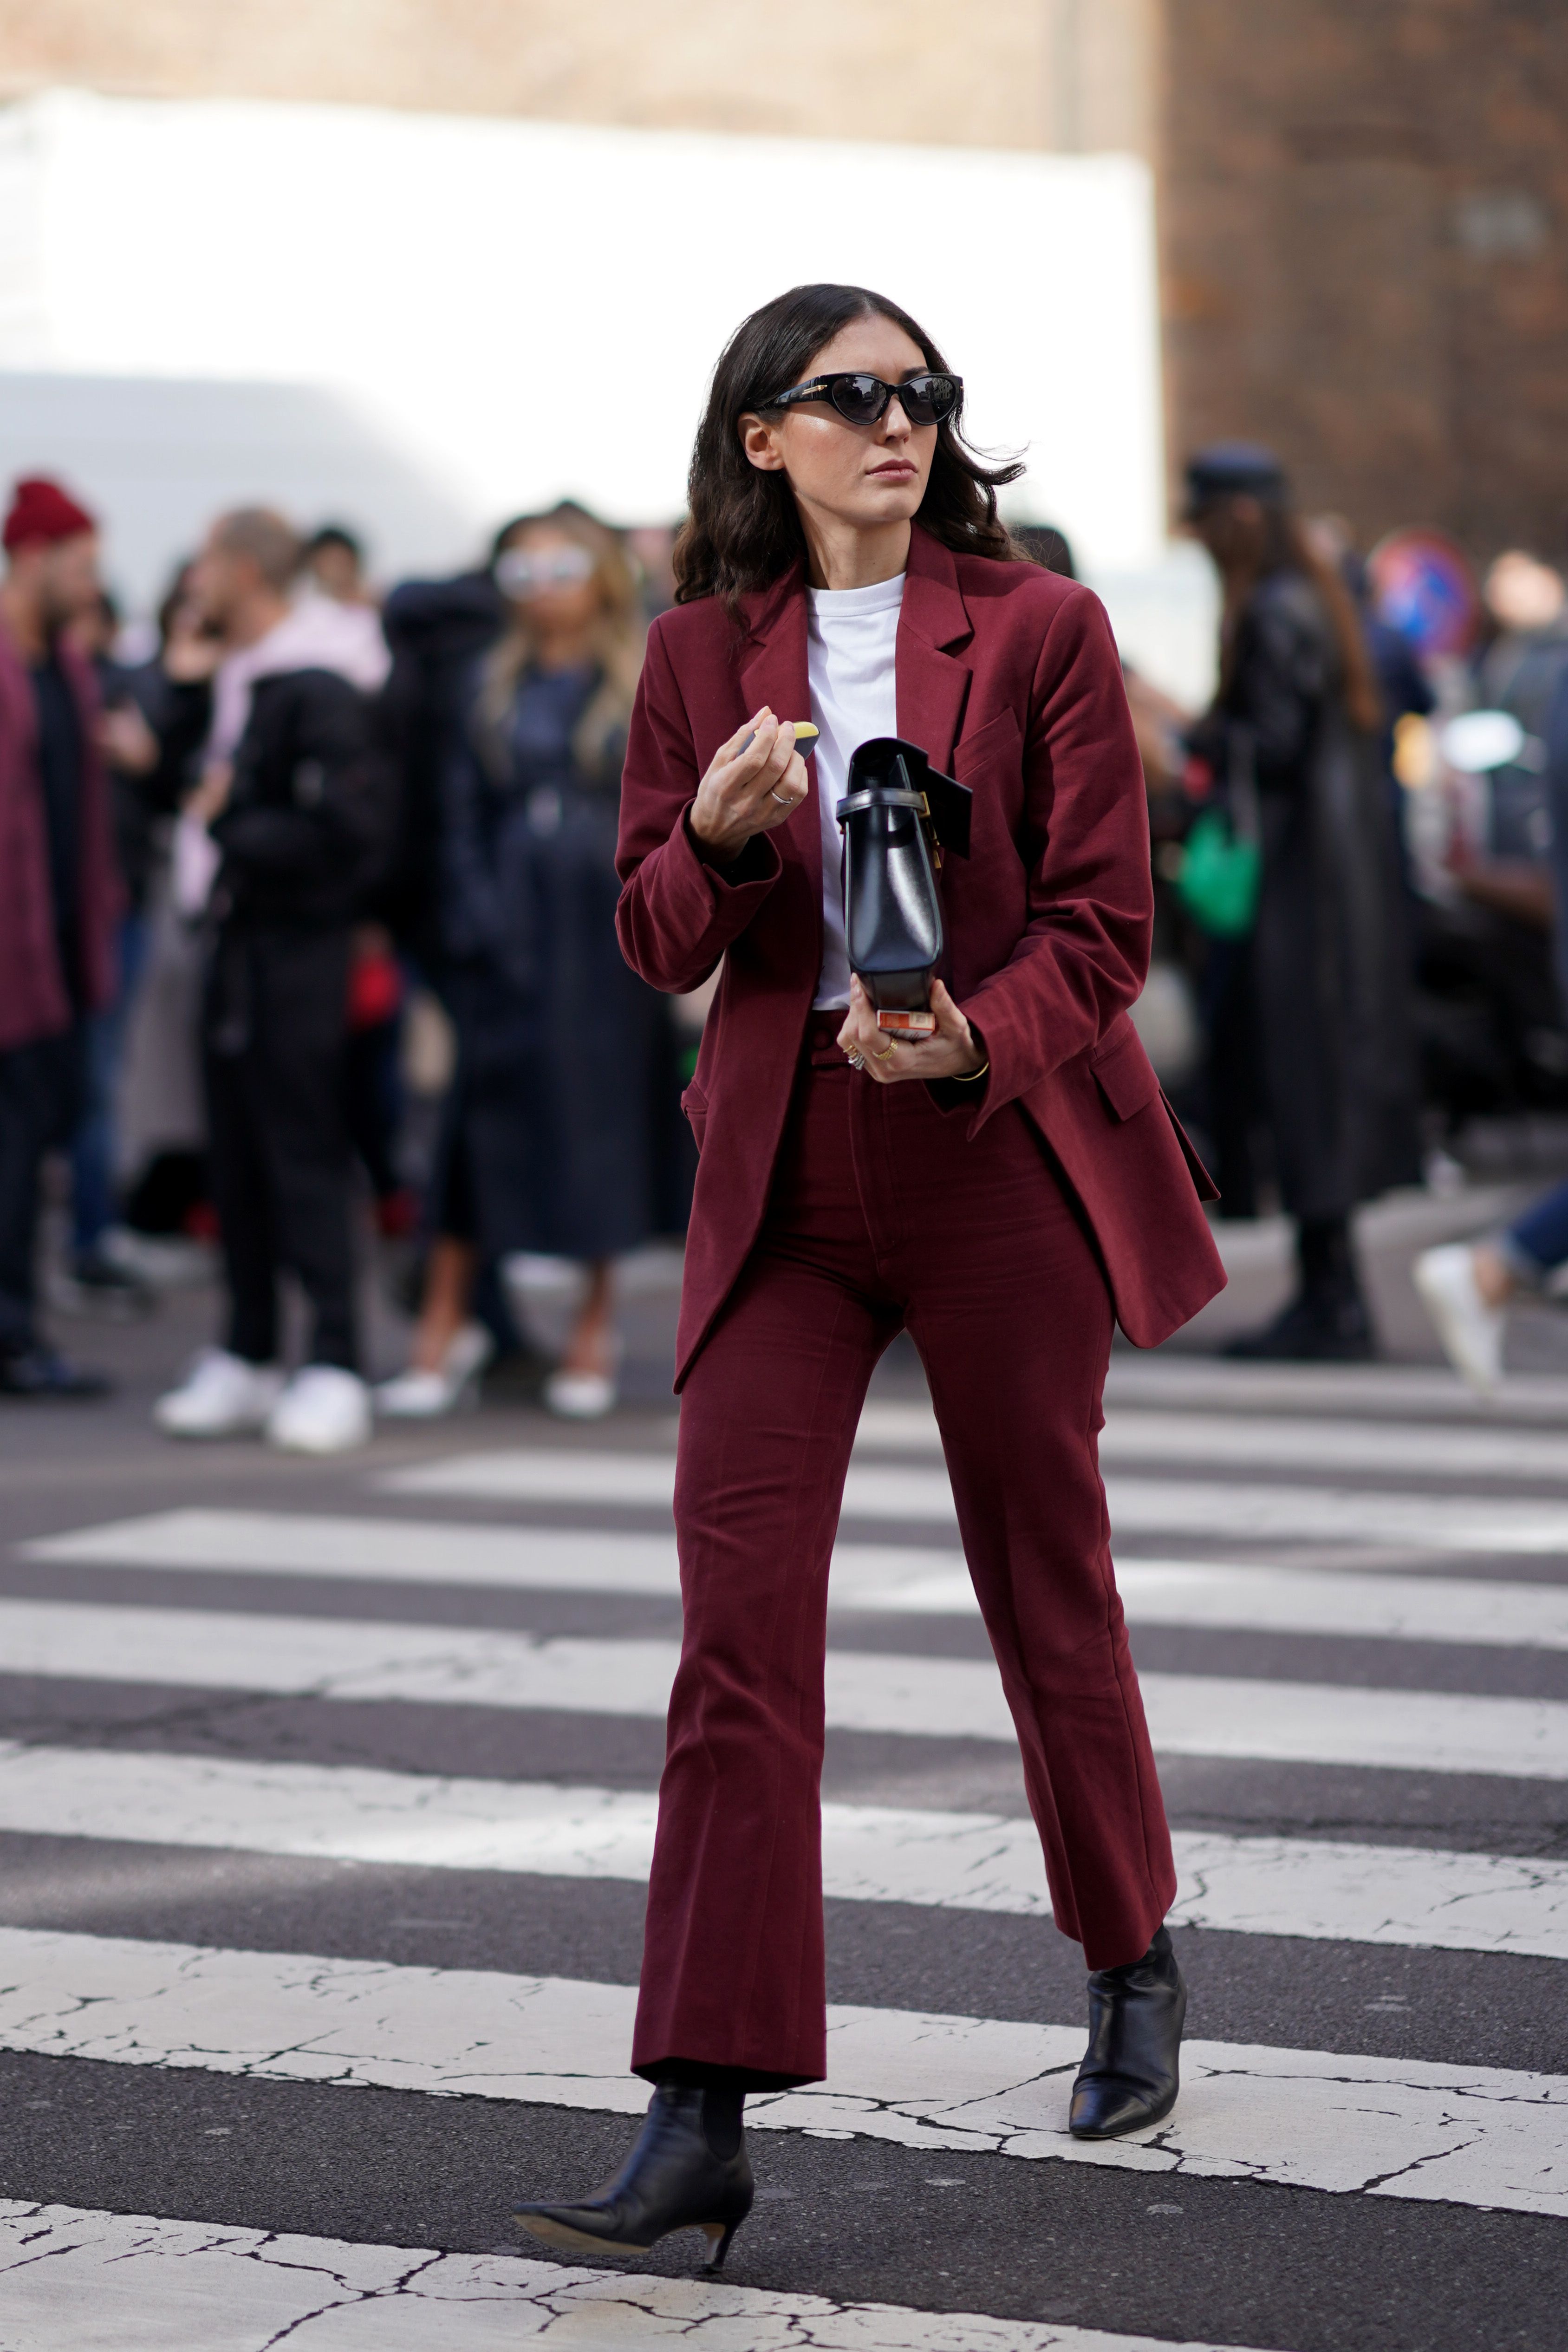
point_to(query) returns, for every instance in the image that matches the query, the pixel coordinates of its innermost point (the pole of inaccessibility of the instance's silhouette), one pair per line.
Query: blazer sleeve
(677, 914)
(1083, 954)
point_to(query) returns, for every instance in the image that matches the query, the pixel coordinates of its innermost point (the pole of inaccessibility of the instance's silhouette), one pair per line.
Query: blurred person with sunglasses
(1004, 1190)
(548, 1143)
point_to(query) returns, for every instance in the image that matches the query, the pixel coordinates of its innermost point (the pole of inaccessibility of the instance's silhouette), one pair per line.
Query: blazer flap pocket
(1123, 1071)
(999, 739)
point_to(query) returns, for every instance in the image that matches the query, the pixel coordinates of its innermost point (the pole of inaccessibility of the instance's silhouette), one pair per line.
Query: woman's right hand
(751, 791)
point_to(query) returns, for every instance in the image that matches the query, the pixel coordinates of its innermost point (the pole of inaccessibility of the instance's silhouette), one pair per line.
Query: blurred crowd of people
(1359, 850)
(305, 822)
(326, 810)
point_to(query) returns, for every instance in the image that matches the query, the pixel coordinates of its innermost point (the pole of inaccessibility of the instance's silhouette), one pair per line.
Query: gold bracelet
(970, 1077)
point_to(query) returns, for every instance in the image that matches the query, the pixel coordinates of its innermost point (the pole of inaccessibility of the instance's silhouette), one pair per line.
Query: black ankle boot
(1327, 1322)
(1131, 2071)
(677, 2177)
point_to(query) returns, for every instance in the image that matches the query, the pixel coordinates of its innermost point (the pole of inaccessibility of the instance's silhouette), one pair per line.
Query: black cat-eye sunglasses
(866, 399)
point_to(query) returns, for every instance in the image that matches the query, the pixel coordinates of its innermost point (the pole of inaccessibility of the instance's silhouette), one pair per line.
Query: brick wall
(1363, 214)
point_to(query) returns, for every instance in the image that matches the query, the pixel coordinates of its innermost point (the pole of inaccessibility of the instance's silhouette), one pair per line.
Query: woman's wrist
(728, 864)
(982, 1060)
(720, 844)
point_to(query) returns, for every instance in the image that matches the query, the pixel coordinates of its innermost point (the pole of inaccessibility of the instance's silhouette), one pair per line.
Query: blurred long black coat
(562, 1051)
(1328, 966)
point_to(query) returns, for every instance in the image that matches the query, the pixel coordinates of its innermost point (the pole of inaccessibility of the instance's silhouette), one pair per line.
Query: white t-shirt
(850, 633)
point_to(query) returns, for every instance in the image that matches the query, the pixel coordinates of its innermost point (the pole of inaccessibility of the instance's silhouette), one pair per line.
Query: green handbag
(1218, 879)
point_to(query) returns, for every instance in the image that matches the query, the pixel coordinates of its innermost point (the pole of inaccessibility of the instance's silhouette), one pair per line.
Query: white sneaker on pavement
(581, 1396)
(220, 1396)
(1472, 1332)
(425, 1396)
(323, 1410)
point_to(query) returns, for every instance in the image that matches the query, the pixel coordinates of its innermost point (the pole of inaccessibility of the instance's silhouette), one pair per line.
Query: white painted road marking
(1333, 1515)
(645, 1481)
(81, 2281)
(1138, 1505)
(973, 1862)
(375, 1550)
(1209, 1384)
(939, 1699)
(884, 1577)
(1301, 2118)
(1225, 1594)
(1302, 1441)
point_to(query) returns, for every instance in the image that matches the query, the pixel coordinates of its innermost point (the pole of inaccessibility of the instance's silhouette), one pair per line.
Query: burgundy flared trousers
(883, 1216)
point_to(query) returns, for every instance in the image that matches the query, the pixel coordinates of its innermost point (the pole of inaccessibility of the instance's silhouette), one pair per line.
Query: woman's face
(862, 475)
(552, 578)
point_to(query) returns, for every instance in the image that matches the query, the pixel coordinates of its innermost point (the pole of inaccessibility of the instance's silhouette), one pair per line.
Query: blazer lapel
(773, 671)
(932, 686)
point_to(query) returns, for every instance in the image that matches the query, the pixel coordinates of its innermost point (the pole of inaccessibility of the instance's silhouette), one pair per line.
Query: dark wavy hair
(742, 528)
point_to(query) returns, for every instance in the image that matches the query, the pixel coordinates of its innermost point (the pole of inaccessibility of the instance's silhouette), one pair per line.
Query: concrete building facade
(1071, 75)
(1363, 202)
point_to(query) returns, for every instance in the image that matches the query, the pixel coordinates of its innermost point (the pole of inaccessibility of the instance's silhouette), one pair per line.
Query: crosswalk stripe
(1138, 1505)
(940, 1698)
(1135, 1435)
(536, 1475)
(973, 1862)
(1199, 1385)
(1299, 2118)
(1330, 1515)
(865, 1576)
(77, 2281)
(289, 1543)
(1225, 1595)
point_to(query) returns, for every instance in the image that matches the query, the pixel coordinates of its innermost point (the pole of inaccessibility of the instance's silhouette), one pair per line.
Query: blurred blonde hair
(619, 634)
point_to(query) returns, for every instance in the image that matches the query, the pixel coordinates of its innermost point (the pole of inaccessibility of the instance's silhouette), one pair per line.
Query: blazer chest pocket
(1123, 1071)
(999, 744)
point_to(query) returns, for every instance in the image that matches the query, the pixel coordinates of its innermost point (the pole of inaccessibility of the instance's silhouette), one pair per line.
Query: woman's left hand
(952, 1053)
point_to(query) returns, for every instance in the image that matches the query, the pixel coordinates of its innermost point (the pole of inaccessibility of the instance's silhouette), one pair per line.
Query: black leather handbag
(897, 818)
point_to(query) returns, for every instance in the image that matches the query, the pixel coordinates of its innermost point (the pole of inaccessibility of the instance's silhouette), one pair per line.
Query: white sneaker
(581, 1396)
(425, 1396)
(322, 1411)
(1472, 1332)
(220, 1396)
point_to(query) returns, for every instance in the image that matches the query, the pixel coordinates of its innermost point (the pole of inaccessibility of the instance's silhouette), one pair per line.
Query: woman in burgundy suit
(1005, 1190)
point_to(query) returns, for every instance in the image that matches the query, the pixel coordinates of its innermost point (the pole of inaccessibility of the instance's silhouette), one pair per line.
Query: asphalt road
(325, 1796)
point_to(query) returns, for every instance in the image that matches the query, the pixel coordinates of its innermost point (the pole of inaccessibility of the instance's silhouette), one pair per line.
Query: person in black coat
(436, 633)
(550, 1131)
(295, 804)
(1310, 1016)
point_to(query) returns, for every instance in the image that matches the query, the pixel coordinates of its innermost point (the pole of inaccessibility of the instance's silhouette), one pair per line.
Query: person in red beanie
(58, 892)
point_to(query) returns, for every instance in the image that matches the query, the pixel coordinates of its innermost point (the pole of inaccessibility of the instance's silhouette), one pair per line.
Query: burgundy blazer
(34, 999)
(1008, 677)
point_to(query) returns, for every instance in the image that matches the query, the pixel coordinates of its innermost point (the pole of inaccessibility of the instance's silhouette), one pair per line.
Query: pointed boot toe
(672, 2179)
(1105, 2110)
(1132, 2069)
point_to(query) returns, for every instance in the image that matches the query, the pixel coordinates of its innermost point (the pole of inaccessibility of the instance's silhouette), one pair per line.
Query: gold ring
(888, 1056)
